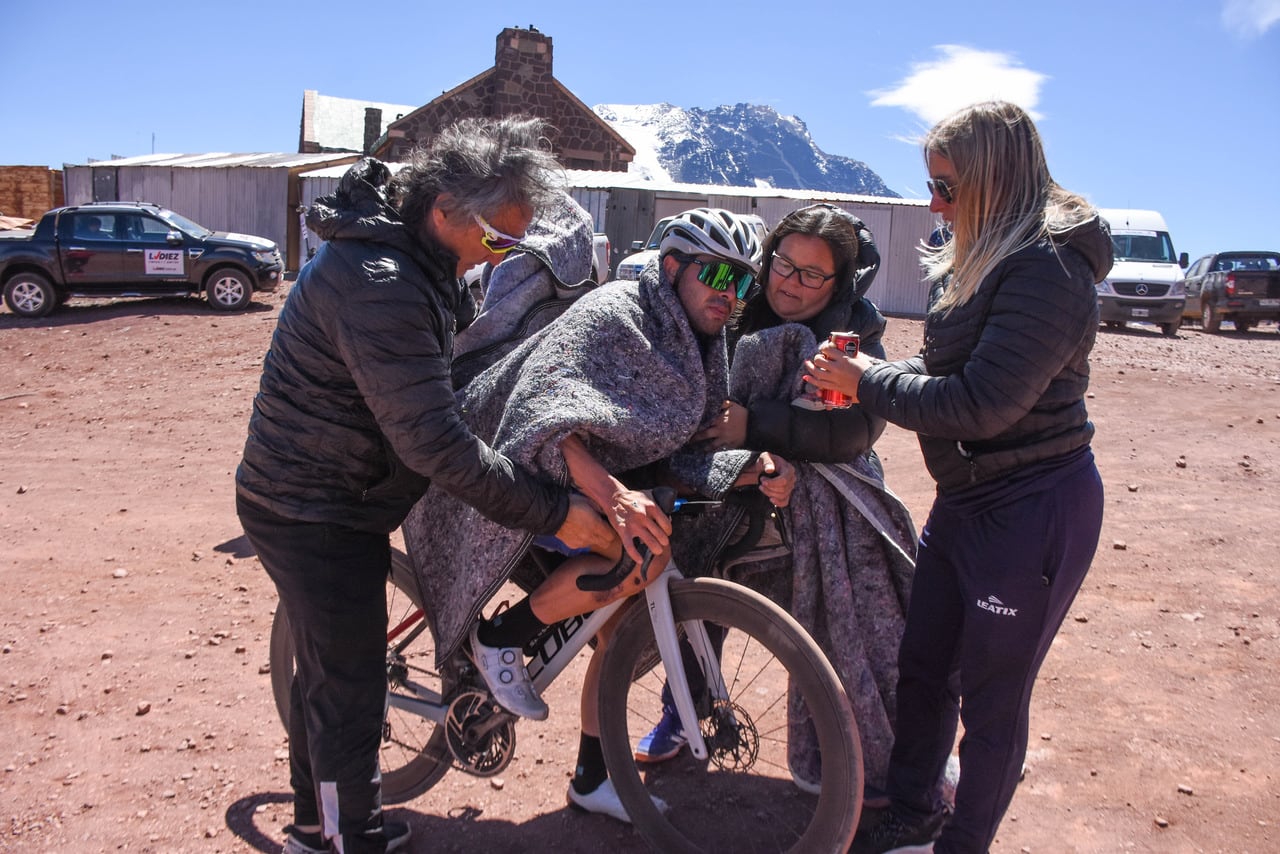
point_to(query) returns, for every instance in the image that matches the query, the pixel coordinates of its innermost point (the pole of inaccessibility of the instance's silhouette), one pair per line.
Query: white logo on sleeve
(995, 606)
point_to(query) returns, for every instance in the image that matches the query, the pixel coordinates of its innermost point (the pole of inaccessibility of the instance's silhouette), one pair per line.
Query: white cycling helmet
(712, 231)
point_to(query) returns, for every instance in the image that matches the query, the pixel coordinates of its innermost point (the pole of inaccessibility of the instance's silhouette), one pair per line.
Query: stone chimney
(522, 72)
(372, 127)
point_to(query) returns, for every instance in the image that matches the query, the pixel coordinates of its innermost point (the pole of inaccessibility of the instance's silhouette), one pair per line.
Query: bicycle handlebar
(669, 503)
(665, 498)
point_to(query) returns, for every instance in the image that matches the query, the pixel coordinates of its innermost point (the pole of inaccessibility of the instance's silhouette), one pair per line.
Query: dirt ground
(135, 625)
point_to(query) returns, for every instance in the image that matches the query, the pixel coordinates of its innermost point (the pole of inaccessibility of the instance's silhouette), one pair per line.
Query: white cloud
(962, 76)
(1250, 18)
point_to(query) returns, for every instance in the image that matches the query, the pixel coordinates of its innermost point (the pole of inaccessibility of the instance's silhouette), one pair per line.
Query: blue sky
(1171, 106)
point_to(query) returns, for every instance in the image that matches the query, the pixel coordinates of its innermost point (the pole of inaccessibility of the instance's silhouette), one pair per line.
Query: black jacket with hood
(355, 415)
(1001, 380)
(830, 436)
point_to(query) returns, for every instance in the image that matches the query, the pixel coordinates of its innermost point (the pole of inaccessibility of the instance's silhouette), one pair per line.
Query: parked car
(1144, 281)
(643, 253)
(1243, 287)
(131, 249)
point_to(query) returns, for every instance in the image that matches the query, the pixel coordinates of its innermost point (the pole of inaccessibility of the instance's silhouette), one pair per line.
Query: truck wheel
(1171, 329)
(30, 295)
(228, 289)
(1242, 324)
(1210, 317)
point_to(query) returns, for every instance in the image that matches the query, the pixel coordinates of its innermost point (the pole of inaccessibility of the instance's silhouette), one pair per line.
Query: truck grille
(1140, 289)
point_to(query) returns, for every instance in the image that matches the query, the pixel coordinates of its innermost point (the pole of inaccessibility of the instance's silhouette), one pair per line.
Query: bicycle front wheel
(743, 797)
(414, 754)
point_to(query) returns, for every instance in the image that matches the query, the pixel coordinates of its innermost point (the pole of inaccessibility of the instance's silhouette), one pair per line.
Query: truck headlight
(1104, 287)
(266, 256)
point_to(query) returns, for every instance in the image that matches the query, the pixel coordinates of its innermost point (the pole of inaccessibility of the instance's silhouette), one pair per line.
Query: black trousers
(332, 585)
(990, 592)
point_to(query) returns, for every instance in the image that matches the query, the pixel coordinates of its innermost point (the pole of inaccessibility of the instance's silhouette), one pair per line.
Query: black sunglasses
(941, 189)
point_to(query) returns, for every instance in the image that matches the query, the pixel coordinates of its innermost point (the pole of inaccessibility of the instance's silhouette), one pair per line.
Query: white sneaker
(603, 800)
(504, 672)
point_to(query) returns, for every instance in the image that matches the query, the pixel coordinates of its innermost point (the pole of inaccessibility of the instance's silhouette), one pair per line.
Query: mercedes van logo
(1141, 290)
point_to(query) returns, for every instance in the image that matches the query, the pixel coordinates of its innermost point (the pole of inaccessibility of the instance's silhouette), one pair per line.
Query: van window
(1143, 246)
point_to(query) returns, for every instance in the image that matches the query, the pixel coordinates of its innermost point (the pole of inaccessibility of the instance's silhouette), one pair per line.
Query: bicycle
(736, 768)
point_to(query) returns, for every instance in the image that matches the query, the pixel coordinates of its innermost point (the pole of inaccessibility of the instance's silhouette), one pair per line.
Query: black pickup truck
(131, 249)
(1243, 287)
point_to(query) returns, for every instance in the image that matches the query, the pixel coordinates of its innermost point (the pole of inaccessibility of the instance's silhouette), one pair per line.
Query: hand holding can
(846, 342)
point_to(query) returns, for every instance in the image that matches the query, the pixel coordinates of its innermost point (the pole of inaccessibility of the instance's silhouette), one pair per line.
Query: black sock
(590, 772)
(515, 626)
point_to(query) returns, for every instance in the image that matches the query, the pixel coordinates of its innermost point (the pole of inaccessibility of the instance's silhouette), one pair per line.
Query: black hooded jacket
(830, 436)
(1001, 380)
(355, 415)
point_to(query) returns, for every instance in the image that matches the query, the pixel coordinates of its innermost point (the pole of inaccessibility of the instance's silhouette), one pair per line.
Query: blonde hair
(1005, 198)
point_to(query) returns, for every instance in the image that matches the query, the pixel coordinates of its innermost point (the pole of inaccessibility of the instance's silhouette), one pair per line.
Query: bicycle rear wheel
(414, 754)
(743, 797)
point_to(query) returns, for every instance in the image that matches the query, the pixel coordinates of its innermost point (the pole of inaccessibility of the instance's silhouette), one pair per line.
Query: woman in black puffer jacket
(997, 396)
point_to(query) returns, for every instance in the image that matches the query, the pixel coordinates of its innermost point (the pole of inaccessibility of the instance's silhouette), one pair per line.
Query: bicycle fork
(664, 632)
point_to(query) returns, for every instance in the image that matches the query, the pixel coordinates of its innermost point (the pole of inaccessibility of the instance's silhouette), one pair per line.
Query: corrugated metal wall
(315, 186)
(244, 199)
(77, 184)
(628, 214)
(595, 202)
(904, 292)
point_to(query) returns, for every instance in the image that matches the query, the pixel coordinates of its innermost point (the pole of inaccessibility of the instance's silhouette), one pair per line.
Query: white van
(1145, 283)
(643, 253)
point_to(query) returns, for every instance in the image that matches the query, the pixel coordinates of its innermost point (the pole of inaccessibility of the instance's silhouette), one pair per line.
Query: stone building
(520, 81)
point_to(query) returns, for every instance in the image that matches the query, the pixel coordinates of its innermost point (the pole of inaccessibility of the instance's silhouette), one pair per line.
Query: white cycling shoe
(603, 800)
(504, 672)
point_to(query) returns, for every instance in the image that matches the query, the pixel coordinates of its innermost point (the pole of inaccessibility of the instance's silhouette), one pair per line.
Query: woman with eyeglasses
(997, 398)
(846, 571)
(817, 266)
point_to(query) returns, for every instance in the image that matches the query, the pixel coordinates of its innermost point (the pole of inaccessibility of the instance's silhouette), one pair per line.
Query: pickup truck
(1243, 287)
(130, 249)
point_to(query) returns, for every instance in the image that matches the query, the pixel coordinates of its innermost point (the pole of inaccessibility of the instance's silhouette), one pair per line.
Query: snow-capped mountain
(739, 146)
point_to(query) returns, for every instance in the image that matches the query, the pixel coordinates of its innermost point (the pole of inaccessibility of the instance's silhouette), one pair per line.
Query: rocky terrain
(134, 627)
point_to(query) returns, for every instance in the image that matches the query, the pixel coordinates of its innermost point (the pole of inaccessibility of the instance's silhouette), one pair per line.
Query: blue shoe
(664, 741)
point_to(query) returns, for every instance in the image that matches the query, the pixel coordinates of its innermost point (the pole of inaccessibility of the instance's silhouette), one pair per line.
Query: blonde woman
(997, 398)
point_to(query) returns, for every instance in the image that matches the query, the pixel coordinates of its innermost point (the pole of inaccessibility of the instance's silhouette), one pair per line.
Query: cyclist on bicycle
(846, 573)
(623, 379)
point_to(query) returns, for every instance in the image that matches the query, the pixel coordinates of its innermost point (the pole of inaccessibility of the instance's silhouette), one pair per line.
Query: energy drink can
(846, 342)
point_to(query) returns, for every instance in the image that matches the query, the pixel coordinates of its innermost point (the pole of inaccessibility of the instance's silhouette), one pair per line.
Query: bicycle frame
(565, 640)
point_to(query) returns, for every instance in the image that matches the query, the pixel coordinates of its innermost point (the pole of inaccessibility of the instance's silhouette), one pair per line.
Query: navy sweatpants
(332, 585)
(994, 579)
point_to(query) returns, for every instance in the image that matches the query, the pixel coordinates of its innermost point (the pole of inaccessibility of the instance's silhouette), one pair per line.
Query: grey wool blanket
(624, 371)
(532, 286)
(848, 577)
